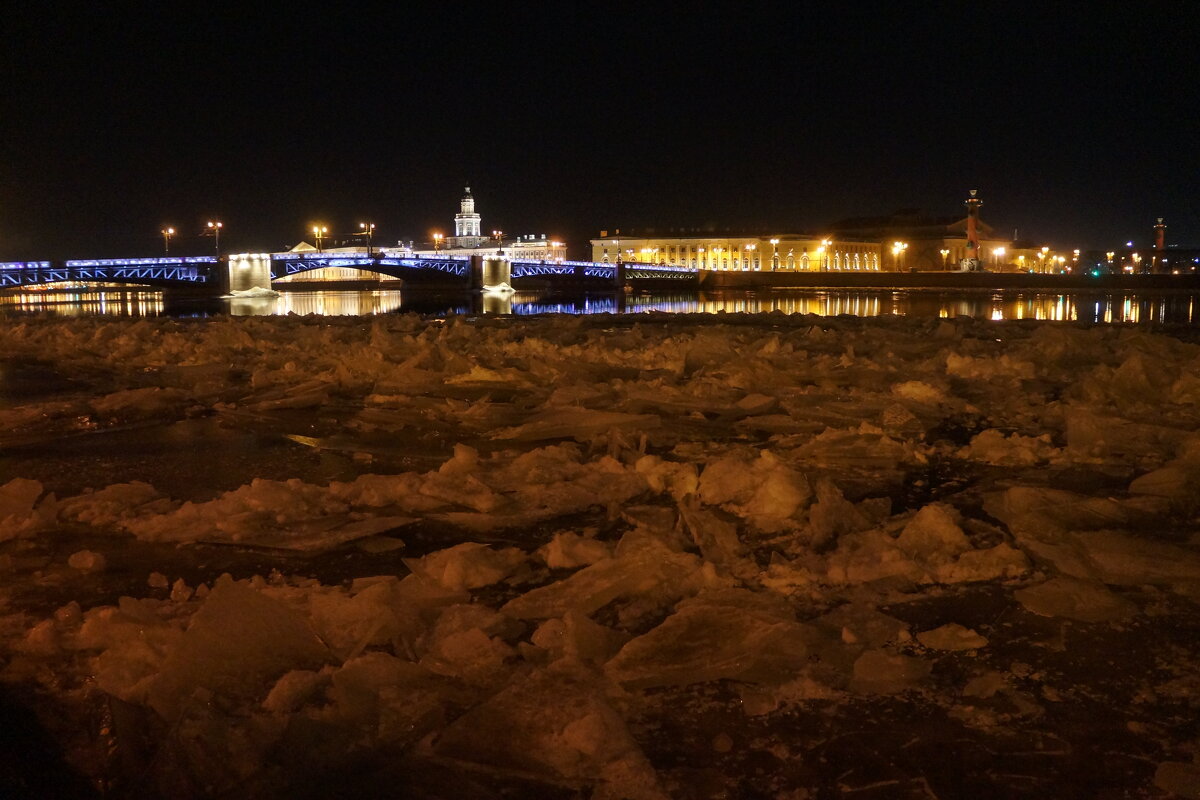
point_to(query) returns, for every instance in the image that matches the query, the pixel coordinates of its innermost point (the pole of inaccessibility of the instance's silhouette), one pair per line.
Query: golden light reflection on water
(334, 304)
(85, 303)
(1174, 308)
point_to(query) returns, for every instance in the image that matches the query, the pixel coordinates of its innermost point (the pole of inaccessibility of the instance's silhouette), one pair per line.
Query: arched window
(837, 260)
(857, 264)
(791, 261)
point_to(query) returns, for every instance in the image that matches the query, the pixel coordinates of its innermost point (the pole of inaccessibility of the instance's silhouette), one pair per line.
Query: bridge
(210, 275)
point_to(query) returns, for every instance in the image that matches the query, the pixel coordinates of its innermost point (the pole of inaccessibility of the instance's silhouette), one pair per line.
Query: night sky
(1078, 131)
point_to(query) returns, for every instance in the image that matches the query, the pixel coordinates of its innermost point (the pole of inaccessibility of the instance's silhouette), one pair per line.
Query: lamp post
(214, 228)
(944, 253)
(368, 229)
(824, 251)
(898, 249)
(319, 232)
(499, 242)
(774, 254)
(437, 243)
(997, 254)
(167, 233)
(1109, 255)
(750, 249)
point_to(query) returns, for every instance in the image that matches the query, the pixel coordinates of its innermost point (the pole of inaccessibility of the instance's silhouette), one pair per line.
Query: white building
(468, 239)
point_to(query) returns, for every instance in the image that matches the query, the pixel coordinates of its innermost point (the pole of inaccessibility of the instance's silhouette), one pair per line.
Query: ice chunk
(864, 624)
(552, 726)
(466, 643)
(1003, 368)
(372, 616)
(114, 504)
(933, 535)
(762, 488)
(293, 690)
(717, 539)
(87, 561)
(1073, 598)
(650, 569)
(832, 515)
(673, 478)
(951, 636)
(577, 637)
(469, 565)
(919, 392)
(17, 499)
(568, 550)
(731, 633)
(236, 642)
(1001, 561)
(993, 447)
(575, 422)
(881, 672)
(361, 683)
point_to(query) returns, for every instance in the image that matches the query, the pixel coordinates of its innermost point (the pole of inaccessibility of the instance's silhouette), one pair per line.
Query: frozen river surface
(694, 556)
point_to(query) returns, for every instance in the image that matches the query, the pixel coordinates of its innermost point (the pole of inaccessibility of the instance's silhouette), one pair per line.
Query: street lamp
(774, 254)
(825, 245)
(214, 230)
(750, 248)
(898, 249)
(997, 254)
(319, 232)
(944, 253)
(499, 242)
(437, 242)
(368, 229)
(167, 233)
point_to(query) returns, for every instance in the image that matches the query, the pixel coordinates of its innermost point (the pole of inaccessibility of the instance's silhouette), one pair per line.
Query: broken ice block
(951, 636)
(87, 561)
(236, 643)
(1073, 598)
(469, 565)
(553, 726)
(730, 633)
(568, 550)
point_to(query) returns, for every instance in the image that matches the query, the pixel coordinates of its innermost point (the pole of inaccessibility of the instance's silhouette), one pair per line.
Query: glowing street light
(898, 249)
(750, 248)
(214, 230)
(997, 254)
(824, 251)
(774, 254)
(319, 232)
(167, 233)
(368, 229)
(944, 253)
(499, 241)
(437, 242)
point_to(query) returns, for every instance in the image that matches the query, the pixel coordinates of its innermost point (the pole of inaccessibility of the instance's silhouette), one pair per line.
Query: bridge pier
(245, 271)
(489, 272)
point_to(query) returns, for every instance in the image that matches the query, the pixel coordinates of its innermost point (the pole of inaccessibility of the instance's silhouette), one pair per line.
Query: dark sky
(1078, 128)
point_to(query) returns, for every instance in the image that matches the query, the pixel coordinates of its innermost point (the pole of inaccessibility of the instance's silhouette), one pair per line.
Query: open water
(1173, 308)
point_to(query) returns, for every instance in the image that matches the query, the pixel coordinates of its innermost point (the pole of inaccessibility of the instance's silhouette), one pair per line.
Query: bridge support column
(247, 271)
(497, 273)
(619, 275)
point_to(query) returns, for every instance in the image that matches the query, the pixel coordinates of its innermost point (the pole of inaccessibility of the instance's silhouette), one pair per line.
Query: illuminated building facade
(468, 239)
(741, 253)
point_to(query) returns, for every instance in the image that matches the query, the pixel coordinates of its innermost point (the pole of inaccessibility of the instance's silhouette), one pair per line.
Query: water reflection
(85, 303)
(325, 303)
(1084, 306)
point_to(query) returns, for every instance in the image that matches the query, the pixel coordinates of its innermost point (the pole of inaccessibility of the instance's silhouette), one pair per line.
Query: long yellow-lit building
(741, 253)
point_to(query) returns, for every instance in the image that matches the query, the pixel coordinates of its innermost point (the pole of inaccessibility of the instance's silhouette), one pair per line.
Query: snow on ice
(626, 507)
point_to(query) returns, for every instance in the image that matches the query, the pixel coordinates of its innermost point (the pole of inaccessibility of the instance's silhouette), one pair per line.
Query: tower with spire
(466, 224)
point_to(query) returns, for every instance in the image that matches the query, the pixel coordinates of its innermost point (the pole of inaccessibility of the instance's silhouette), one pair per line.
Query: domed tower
(466, 223)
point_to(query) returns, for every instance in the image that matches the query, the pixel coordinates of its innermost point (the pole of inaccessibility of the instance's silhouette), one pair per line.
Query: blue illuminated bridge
(209, 274)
